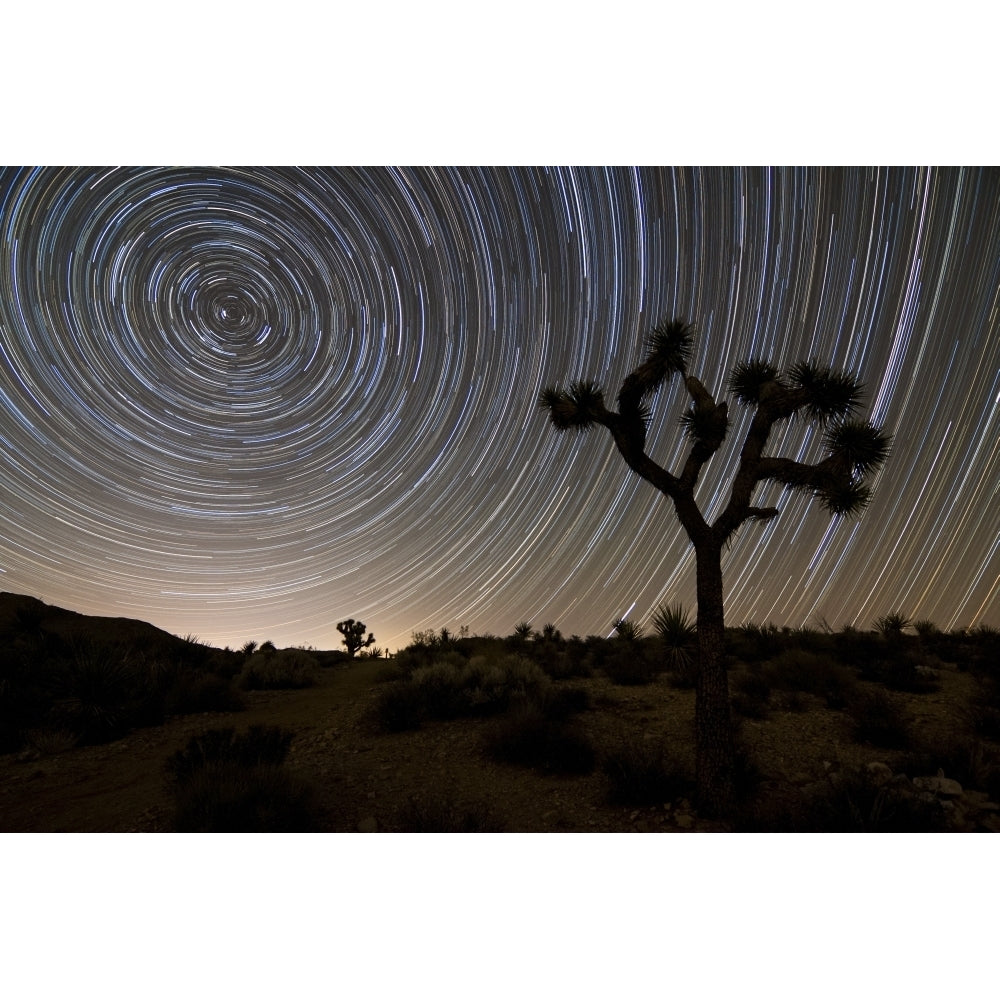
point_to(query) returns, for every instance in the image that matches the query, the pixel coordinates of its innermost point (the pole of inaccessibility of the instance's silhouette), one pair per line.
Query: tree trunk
(714, 745)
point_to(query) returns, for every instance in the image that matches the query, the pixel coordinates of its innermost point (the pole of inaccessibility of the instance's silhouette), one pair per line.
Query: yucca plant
(628, 630)
(677, 635)
(854, 451)
(891, 626)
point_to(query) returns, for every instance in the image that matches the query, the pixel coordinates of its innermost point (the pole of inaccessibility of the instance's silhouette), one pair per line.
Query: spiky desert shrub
(639, 773)
(102, 693)
(282, 668)
(530, 737)
(891, 626)
(677, 636)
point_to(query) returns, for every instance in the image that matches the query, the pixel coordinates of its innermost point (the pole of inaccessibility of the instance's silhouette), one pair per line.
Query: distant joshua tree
(855, 449)
(354, 636)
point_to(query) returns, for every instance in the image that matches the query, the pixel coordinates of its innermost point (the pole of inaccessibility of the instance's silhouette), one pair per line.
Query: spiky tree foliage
(354, 636)
(628, 630)
(854, 451)
(891, 626)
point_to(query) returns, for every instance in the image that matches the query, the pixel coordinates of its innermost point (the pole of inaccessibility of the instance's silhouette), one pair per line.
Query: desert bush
(857, 649)
(900, 673)
(454, 687)
(257, 745)
(752, 642)
(792, 701)
(962, 757)
(401, 707)
(640, 774)
(284, 668)
(226, 797)
(530, 737)
(853, 802)
(750, 693)
(560, 703)
(810, 673)
(879, 719)
(229, 782)
(565, 663)
(202, 693)
(631, 663)
(437, 814)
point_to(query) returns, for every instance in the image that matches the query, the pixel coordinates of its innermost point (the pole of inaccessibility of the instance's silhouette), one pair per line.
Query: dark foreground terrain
(111, 725)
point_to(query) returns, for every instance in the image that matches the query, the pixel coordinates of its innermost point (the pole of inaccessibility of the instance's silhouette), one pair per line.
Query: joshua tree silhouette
(855, 449)
(354, 635)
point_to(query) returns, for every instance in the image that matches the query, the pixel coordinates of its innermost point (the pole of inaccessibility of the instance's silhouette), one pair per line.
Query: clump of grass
(530, 737)
(879, 719)
(640, 774)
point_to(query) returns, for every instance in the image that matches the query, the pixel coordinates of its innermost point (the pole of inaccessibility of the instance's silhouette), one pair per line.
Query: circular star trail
(248, 403)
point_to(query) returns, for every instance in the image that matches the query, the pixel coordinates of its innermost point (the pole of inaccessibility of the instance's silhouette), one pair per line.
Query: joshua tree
(354, 636)
(854, 450)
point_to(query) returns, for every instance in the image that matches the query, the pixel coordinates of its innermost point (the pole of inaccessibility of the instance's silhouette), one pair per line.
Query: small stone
(684, 821)
(368, 824)
(642, 826)
(939, 785)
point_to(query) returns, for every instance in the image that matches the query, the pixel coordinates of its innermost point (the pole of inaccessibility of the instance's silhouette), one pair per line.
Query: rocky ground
(366, 780)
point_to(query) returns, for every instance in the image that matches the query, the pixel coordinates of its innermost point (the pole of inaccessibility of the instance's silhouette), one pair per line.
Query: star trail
(248, 403)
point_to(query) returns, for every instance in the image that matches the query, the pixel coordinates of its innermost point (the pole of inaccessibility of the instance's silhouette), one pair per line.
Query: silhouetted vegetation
(229, 782)
(551, 708)
(354, 636)
(853, 451)
(640, 773)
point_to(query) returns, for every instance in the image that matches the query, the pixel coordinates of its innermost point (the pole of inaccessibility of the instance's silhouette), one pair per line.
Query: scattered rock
(939, 786)
(684, 821)
(368, 824)
(879, 773)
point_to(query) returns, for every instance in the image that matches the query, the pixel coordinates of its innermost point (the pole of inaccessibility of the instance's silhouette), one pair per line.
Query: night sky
(248, 403)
